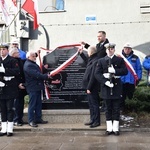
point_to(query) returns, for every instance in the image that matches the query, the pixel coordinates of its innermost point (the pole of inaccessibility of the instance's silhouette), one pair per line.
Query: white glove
(106, 75)
(111, 69)
(2, 84)
(2, 69)
(107, 83)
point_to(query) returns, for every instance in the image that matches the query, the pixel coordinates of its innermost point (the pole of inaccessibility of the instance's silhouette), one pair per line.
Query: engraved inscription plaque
(65, 88)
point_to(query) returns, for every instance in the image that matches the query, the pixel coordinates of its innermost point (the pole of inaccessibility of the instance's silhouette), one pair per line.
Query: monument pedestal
(66, 116)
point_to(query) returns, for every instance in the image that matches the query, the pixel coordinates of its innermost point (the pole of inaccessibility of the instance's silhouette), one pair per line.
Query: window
(51, 5)
(60, 4)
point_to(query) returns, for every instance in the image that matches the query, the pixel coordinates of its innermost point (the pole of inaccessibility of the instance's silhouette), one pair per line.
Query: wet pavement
(74, 137)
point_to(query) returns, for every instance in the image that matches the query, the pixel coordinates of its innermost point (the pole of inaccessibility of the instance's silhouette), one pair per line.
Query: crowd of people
(113, 76)
(19, 76)
(117, 75)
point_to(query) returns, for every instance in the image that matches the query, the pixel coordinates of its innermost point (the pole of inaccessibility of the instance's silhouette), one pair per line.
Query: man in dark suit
(19, 101)
(9, 70)
(34, 81)
(108, 72)
(102, 40)
(91, 86)
(101, 51)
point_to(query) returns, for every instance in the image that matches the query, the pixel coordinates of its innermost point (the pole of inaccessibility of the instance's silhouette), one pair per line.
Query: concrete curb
(73, 127)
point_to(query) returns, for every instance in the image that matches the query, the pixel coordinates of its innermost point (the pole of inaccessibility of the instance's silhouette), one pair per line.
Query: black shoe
(32, 124)
(94, 125)
(116, 133)
(2, 134)
(9, 134)
(88, 123)
(41, 122)
(17, 124)
(108, 133)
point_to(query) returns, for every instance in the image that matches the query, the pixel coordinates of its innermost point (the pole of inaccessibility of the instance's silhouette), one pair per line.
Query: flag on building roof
(31, 7)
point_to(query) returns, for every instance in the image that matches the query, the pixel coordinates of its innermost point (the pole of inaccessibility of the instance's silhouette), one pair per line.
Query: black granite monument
(65, 88)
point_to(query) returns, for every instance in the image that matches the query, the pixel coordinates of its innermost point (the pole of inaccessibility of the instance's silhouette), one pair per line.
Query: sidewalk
(75, 140)
(76, 136)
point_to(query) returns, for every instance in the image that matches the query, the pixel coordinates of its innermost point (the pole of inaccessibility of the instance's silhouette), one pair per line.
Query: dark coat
(101, 50)
(10, 90)
(34, 79)
(89, 81)
(102, 67)
(21, 76)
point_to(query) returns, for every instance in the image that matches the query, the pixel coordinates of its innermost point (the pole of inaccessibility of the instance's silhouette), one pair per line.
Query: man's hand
(111, 69)
(82, 42)
(107, 83)
(46, 66)
(49, 76)
(80, 50)
(21, 86)
(88, 91)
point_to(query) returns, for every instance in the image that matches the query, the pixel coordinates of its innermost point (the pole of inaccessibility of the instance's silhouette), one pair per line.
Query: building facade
(71, 21)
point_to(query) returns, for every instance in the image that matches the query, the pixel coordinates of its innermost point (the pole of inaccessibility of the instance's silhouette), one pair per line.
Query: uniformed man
(9, 89)
(108, 72)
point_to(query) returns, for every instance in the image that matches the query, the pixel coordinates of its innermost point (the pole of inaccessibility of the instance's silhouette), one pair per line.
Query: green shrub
(26, 100)
(140, 101)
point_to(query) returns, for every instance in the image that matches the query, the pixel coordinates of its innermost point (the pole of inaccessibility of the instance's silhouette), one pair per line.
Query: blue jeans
(19, 107)
(35, 106)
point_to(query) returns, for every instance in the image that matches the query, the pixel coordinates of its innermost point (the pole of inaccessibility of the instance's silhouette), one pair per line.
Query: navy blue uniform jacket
(10, 90)
(102, 67)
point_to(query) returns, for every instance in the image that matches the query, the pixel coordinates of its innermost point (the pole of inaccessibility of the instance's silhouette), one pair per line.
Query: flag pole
(12, 21)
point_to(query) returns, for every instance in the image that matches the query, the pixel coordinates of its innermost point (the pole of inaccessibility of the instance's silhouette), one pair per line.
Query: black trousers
(19, 107)
(127, 91)
(7, 111)
(93, 102)
(112, 109)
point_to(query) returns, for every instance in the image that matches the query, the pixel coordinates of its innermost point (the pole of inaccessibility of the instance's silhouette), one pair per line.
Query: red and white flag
(31, 7)
(14, 2)
(5, 13)
(130, 68)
